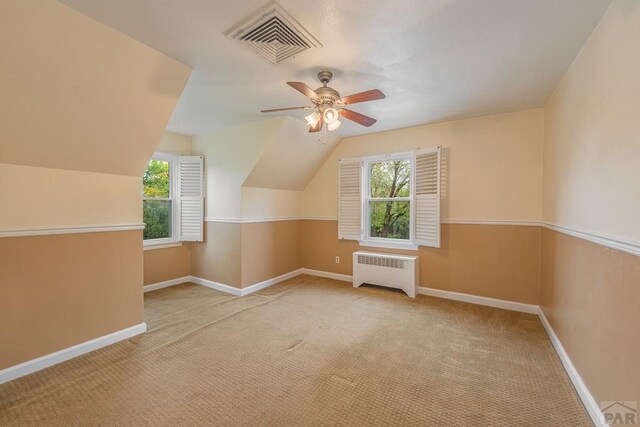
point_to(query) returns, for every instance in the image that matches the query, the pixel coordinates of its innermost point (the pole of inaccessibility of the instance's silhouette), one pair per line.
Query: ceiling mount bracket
(325, 76)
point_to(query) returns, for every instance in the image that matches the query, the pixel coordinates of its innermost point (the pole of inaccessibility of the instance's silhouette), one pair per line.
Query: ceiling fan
(328, 105)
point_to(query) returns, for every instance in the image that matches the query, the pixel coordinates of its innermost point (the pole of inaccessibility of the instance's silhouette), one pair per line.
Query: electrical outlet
(337, 260)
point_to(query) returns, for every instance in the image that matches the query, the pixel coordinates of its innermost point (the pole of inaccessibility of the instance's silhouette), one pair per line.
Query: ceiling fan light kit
(330, 115)
(313, 119)
(329, 105)
(335, 125)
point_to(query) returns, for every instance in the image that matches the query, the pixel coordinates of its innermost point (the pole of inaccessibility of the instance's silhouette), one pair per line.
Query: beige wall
(263, 203)
(591, 153)
(219, 258)
(270, 249)
(495, 261)
(590, 293)
(83, 108)
(241, 255)
(61, 290)
(494, 166)
(166, 264)
(36, 197)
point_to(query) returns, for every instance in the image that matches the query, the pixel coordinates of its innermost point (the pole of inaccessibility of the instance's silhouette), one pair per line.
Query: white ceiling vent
(273, 33)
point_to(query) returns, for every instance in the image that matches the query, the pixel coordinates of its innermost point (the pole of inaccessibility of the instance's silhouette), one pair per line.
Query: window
(173, 199)
(391, 200)
(388, 198)
(159, 201)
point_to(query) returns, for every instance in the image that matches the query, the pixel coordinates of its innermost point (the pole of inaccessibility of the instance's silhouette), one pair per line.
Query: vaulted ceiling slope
(79, 95)
(434, 59)
(292, 158)
(276, 153)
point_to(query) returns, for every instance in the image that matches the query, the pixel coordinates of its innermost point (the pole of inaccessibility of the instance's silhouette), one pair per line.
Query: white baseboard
(166, 284)
(243, 291)
(474, 299)
(587, 398)
(34, 365)
(328, 275)
(253, 288)
(215, 285)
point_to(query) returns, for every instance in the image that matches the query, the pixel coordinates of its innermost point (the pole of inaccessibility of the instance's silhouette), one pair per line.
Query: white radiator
(393, 271)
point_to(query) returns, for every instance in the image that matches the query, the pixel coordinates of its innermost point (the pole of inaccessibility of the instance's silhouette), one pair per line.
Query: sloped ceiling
(76, 94)
(292, 157)
(277, 153)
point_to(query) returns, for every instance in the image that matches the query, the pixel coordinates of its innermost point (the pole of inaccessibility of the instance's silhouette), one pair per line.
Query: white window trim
(174, 240)
(380, 242)
(389, 243)
(153, 245)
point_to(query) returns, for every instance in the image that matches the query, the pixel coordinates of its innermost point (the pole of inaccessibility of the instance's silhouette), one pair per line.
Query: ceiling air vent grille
(273, 33)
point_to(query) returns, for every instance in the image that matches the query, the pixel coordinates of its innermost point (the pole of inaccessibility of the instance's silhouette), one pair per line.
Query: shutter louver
(191, 193)
(427, 200)
(349, 199)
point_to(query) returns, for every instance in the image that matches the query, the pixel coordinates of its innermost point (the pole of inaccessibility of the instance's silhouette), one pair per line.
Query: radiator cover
(390, 270)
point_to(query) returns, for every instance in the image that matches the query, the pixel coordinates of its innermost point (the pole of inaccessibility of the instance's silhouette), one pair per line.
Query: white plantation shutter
(191, 194)
(349, 199)
(427, 199)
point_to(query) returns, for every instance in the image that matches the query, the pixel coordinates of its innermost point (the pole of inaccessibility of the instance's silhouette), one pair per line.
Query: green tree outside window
(390, 218)
(156, 214)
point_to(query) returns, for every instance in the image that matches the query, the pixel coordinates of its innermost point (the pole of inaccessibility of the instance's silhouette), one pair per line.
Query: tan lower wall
(61, 290)
(218, 258)
(166, 264)
(270, 249)
(496, 261)
(591, 296)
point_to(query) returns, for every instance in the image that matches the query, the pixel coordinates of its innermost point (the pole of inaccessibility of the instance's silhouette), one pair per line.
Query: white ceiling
(434, 59)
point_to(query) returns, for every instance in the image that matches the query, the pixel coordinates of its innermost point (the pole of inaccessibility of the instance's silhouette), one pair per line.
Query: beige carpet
(309, 351)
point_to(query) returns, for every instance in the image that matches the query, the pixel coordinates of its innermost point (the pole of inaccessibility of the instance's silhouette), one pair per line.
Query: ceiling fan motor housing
(328, 96)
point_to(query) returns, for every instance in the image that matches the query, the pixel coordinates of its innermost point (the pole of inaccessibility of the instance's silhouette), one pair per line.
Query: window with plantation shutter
(387, 204)
(350, 199)
(427, 197)
(391, 200)
(191, 196)
(160, 200)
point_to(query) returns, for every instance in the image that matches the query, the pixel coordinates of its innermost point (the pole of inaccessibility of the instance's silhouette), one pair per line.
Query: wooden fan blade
(318, 126)
(305, 90)
(357, 117)
(308, 107)
(369, 95)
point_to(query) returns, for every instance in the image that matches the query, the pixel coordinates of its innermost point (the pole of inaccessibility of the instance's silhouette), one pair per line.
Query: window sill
(150, 246)
(408, 246)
